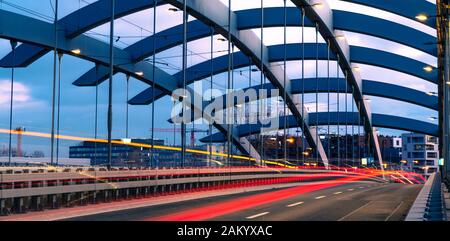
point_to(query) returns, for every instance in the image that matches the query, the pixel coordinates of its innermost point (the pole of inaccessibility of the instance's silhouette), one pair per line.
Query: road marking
(337, 193)
(351, 189)
(361, 187)
(294, 204)
(354, 211)
(320, 197)
(393, 212)
(258, 215)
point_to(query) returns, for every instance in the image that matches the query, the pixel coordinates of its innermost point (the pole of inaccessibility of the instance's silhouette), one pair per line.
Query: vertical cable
(303, 84)
(346, 115)
(261, 137)
(233, 106)
(110, 89)
(211, 90)
(60, 55)
(228, 112)
(338, 112)
(96, 116)
(127, 106)
(13, 47)
(328, 100)
(359, 131)
(353, 126)
(247, 111)
(152, 155)
(317, 93)
(183, 124)
(284, 83)
(55, 55)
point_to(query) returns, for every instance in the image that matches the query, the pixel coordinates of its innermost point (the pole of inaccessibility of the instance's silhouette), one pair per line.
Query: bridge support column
(19, 205)
(3, 210)
(36, 203)
(94, 197)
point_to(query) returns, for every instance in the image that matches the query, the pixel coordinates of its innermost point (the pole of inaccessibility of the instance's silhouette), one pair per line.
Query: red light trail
(228, 207)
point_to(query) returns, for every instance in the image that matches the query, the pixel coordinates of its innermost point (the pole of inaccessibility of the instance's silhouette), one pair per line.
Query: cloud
(22, 96)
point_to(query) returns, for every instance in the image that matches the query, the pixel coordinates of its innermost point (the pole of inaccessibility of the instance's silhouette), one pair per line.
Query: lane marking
(361, 187)
(258, 215)
(294, 204)
(320, 197)
(351, 189)
(354, 211)
(337, 193)
(393, 212)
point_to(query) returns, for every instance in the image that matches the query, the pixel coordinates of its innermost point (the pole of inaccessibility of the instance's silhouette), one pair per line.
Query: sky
(33, 85)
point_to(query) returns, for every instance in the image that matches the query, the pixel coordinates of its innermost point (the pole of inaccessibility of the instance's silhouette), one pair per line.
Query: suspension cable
(153, 88)
(328, 100)
(338, 112)
(60, 55)
(317, 93)
(110, 87)
(13, 47)
(183, 124)
(284, 83)
(303, 84)
(55, 56)
(211, 86)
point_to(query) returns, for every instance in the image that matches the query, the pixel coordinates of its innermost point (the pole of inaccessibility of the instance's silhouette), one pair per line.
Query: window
(418, 155)
(418, 139)
(431, 155)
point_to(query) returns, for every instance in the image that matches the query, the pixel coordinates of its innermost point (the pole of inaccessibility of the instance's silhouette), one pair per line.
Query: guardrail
(40, 189)
(429, 204)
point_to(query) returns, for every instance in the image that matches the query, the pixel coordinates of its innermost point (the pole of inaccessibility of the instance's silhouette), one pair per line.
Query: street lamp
(428, 68)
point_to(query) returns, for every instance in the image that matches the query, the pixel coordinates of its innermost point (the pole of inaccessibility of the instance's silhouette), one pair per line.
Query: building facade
(420, 153)
(129, 155)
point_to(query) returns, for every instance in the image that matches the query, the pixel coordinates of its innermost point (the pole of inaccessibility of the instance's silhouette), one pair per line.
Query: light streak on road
(227, 207)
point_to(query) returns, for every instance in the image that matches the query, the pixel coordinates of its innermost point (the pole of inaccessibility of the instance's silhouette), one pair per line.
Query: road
(365, 201)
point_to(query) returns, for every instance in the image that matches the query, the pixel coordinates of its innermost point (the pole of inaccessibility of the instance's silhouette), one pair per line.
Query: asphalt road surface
(360, 201)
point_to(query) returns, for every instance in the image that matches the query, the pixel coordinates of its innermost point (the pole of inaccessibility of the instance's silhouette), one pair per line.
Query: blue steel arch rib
(372, 88)
(141, 50)
(348, 21)
(77, 23)
(406, 8)
(197, 72)
(379, 120)
(41, 34)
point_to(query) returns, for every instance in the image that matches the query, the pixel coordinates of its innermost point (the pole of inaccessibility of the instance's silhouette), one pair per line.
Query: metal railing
(429, 204)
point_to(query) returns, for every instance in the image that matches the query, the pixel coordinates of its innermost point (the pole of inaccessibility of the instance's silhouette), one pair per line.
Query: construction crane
(178, 130)
(19, 131)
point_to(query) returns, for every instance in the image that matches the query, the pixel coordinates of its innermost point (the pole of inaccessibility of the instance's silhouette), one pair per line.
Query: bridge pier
(37, 203)
(3, 210)
(66, 199)
(19, 205)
